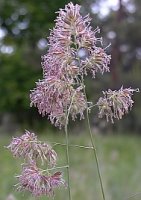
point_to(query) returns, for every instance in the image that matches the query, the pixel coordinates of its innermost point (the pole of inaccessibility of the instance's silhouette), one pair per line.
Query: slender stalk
(67, 145)
(68, 159)
(72, 145)
(96, 156)
(133, 196)
(94, 146)
(53, 168)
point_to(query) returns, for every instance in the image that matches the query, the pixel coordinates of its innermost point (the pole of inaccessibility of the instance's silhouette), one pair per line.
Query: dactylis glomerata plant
(72, 53)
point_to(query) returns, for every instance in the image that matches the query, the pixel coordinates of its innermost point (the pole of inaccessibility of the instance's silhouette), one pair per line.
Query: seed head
(116, 103)
(34, 181)
(28, 147)
(72, 53)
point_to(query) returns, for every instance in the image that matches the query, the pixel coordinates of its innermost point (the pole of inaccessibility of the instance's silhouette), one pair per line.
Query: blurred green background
(24, 27)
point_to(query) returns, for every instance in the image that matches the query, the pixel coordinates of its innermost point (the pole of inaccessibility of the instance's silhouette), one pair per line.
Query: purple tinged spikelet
(32, 178)
(28, 147)
(116, 103)
(72, 53)
(34, 181)
(52, 96)
(23, 146)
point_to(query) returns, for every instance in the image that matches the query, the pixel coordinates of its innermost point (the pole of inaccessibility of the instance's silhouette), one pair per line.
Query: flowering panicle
(52, 96)
(28, 147)
(33, 180)
(72, 52)
(23, 146)
(71, 33)
(115, 104)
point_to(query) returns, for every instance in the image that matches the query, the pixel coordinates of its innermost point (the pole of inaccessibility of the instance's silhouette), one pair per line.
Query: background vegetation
(24, 27)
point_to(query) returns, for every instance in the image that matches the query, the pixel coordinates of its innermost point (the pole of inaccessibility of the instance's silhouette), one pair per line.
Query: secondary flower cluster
(115, 104)
(72, 53)
(32, 178)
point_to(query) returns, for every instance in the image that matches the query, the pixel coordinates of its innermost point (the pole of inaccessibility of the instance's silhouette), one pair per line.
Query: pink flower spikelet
(33, 180)
(53, 96)
(28, 147)
(23, 146)
(115, 104)
(72, 53)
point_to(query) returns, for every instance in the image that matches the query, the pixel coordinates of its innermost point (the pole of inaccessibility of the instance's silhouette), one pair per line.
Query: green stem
(134, 195)
(71, 145)
(96, 156)
(67, 145)
(68, 159)
(94, 146)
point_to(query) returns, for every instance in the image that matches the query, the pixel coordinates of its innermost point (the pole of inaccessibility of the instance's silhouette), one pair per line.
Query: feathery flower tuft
(72, 53)
(32, 178)
(34, 181)
(115, 104)
(52, 96)
(28, 147)
(23, 146)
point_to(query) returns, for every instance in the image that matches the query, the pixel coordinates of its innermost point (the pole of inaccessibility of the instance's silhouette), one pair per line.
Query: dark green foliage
(24, 23)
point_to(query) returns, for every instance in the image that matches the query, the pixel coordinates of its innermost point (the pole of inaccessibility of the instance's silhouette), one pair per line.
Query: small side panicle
(116, 103)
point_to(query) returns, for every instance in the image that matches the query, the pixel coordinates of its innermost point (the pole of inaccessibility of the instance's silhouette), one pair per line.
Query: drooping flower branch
(32, 178)
(53, 96)
(116, 103)
(30, 148)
